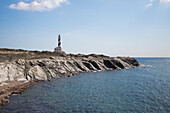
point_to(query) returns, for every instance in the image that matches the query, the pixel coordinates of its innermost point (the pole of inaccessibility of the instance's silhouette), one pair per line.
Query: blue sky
(110, 27)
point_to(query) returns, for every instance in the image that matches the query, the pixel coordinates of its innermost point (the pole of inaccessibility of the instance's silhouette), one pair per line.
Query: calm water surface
(143, 89)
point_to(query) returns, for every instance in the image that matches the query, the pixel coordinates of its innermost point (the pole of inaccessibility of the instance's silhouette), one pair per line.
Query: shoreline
(28, 67)
(10, 88)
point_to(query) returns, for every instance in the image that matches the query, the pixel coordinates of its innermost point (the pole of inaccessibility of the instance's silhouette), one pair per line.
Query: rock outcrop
(54, 67)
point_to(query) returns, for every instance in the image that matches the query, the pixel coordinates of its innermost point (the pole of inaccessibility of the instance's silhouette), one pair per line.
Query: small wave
(147, 66)
(97, 71)
(15, 94)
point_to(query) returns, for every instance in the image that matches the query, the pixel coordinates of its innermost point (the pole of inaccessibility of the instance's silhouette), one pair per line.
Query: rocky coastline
(28, 67)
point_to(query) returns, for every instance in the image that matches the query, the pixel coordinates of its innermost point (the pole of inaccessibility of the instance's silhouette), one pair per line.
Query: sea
(145, 89)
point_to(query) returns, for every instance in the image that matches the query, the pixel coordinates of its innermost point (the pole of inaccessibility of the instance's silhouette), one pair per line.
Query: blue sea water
(138, 90)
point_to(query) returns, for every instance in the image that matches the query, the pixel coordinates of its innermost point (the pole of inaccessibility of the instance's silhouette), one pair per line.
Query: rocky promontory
(19, 68)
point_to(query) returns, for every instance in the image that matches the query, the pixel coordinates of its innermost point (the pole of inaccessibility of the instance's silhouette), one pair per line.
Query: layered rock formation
(54, 67)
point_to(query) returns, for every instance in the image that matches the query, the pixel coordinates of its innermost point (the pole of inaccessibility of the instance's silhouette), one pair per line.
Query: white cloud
(148, 5)
(165, 1)
(38, 5)
(151, 2)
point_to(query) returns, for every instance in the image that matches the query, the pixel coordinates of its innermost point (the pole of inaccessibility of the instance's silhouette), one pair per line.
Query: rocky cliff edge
(54, 67)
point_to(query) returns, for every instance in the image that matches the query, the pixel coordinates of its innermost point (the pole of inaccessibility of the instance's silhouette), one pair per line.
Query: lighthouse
(59, 49)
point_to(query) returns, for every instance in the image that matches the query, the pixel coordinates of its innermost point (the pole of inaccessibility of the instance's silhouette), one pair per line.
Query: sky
(111, 27)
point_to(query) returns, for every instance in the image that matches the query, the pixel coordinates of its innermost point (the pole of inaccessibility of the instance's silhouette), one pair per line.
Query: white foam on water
(150, 66)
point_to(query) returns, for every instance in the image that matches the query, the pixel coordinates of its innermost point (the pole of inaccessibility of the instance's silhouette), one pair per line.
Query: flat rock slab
(9, 88)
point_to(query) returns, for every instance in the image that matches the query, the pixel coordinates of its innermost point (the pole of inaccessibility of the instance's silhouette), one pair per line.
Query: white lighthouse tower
(59, 49)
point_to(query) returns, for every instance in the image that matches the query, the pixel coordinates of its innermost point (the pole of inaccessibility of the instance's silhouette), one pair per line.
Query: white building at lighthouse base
(59, 50)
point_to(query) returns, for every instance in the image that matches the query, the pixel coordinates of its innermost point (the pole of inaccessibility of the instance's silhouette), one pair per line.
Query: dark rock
(130, 60)
(88, 65)
(109, 64)
(117, 63)
(95, 64)
(41, 64)
(79, 66)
